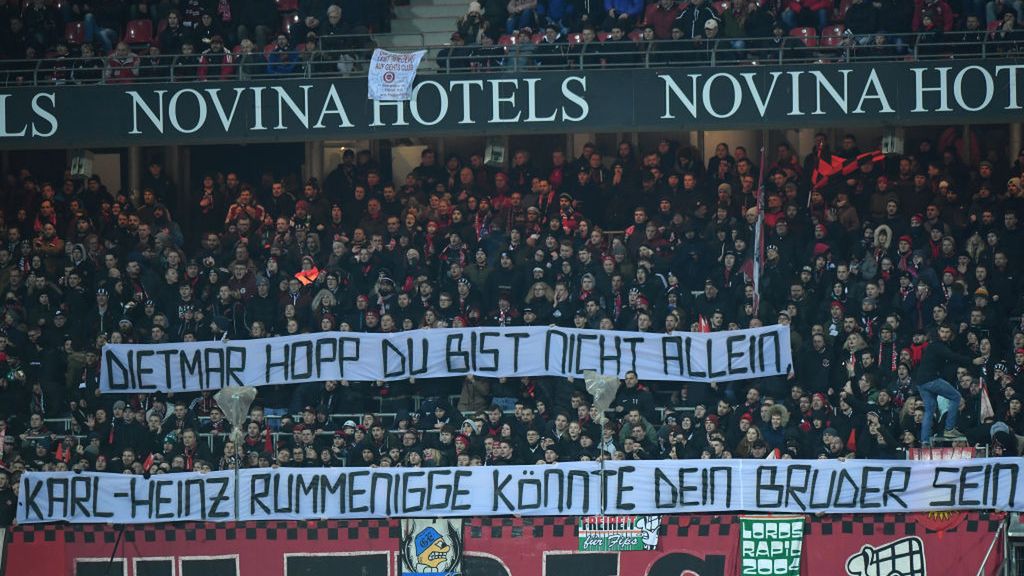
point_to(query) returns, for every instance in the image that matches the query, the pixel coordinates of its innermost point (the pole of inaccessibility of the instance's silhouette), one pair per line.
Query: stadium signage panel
(905, 93)
(434, 353)
(576, 489)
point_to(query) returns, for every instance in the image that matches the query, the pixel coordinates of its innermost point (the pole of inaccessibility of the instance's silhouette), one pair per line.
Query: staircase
(434, 19)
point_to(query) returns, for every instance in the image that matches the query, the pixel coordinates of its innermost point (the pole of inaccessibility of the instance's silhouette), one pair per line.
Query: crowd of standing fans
(900, 283)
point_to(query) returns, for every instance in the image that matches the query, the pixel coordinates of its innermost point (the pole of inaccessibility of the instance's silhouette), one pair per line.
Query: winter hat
(472, 424)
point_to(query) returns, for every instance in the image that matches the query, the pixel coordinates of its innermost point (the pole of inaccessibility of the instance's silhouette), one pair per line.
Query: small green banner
(771, 545)
(618, 533)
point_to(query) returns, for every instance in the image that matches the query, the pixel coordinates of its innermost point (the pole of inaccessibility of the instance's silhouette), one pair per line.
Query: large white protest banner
(103, 497)
(429, 353)
(391, 74)
(577, 489)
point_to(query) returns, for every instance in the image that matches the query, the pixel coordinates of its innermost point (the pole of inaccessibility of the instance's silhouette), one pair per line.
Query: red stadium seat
(832, 36)
(138, 32)
(722, 6)
(287, 5)
(506, 40)
(808, 35)
(575, 38)
(161, 26)
(636, 34)
(602, 36)
(536, 38)
(287, 21)
(74, 33)
(992, 27)
(835, 30)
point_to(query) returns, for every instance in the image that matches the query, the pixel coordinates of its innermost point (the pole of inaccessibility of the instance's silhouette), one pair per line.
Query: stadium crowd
(899, 277)
(122, 41)
(618, 33)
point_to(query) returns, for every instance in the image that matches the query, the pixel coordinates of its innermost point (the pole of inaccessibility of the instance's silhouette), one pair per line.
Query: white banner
(391, 74)
(103, 497)
(433, 353)
(577, 489)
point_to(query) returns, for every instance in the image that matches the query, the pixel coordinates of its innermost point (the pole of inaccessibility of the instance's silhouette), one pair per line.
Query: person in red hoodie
(806, 11)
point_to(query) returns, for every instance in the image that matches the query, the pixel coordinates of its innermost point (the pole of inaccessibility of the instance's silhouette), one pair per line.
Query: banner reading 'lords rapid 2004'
(491, 352)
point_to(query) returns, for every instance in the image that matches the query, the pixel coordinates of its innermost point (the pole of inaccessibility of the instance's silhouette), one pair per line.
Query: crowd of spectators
(84, 40)
(610, 33)
(900, 283)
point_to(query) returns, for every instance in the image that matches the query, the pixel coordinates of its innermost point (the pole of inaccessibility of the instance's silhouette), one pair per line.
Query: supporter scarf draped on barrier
(433, 353)
(642, 487)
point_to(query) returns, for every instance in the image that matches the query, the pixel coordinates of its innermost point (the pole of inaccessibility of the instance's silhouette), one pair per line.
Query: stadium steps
(431, 10)
(423, 23)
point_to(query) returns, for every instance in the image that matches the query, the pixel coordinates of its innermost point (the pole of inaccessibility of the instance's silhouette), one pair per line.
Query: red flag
(60, 452)
(851, 442)
(702, 324)
(148, 463)
(824, 169)
(759, 231)
(268, 442)
(837, 165)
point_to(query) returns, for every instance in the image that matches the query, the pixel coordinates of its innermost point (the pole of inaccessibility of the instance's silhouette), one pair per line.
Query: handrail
(353, 59)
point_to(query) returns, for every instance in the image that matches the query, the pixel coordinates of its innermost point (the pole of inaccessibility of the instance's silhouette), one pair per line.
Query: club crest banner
(431, 547)
(391, 74)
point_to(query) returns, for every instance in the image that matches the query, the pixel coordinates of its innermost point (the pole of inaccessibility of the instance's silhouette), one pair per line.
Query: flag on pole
(759, 236)
(986, 402)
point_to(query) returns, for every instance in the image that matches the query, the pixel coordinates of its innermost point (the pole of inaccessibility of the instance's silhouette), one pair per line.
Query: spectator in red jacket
(216, 63)
(804, 12)
(122, 66)
(941, 13)
(660, 16)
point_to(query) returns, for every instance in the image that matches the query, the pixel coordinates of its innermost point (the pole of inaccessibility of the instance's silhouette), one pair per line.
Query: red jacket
(815, 5)
(942, 14)
(216, 65)
(122, 70)
(661, 20)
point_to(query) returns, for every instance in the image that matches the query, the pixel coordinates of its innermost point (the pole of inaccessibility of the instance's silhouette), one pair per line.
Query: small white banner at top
(392, 73)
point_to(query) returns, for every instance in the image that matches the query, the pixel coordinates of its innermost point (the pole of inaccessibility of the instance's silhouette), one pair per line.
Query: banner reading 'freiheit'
(576, 489)
(432, 353)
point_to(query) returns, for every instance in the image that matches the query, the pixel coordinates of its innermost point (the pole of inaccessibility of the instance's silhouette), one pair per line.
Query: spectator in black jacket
(862, 21)
(631, 395)
(173, 35)
(931, 382)
(693, 19)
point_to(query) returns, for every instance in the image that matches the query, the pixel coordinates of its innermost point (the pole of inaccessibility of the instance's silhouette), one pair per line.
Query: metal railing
(351, 59)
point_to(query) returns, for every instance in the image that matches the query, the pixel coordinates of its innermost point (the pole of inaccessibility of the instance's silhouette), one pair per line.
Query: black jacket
(935, 361)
